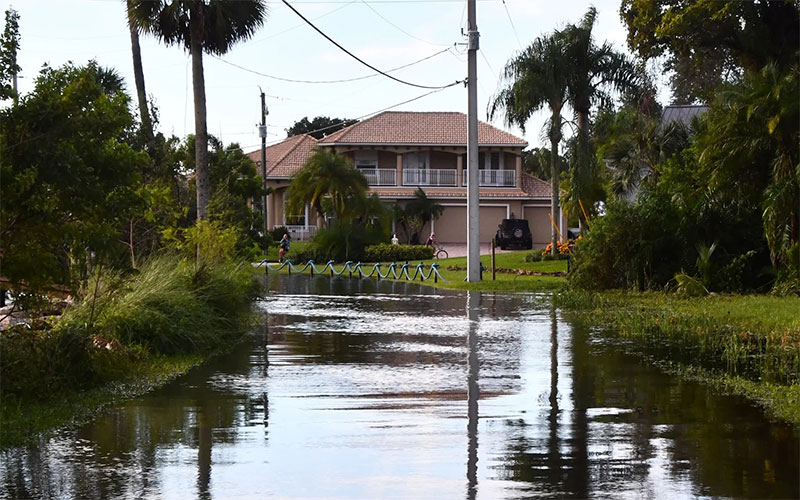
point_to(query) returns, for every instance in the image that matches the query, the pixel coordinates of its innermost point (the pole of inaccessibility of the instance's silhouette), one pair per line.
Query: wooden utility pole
(473, 191)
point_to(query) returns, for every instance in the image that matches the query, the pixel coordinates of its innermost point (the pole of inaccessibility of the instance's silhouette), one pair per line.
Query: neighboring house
(401, 151)
(681, 114)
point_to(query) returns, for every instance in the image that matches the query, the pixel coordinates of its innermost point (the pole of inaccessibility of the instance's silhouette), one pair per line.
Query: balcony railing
(300, 233)
(496, 178)
(380, 176)
(429, 177)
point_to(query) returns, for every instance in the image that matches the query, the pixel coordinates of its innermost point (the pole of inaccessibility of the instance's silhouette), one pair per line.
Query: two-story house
(399, 152)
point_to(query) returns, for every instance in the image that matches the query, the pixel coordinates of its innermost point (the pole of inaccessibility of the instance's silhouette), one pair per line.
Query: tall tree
(597, 73)
(319, 127)
(535, 79)
(327, 175)
(212, 26)
(706, 41)
(9, 46)
(69, 180)
(138, 77)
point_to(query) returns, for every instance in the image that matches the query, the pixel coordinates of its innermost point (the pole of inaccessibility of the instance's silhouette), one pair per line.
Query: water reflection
(356, 389)
(473, 315)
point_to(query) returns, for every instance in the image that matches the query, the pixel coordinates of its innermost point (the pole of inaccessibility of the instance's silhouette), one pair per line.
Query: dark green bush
(168, 307)
(397, 253)
(341, 242)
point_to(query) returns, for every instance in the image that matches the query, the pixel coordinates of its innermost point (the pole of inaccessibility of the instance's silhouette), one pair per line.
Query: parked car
(513, 232)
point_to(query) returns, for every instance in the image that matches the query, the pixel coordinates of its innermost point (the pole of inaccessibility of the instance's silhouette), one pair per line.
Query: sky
(385, 33)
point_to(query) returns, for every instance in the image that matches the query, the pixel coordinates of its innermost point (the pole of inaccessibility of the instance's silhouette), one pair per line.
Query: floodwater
(364, 389)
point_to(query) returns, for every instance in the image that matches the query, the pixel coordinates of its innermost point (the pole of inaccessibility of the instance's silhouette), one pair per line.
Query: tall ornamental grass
(169, 306)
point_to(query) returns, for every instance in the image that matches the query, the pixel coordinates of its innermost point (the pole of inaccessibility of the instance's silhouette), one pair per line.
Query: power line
(263, 39)
(361, 60)
(426, 94)
(327, 81)
(512, 25)
(398, 27)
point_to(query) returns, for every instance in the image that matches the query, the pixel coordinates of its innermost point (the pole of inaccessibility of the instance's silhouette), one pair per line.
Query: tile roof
(535, 187)
(430, 128)
(682, 113)
(286, 157)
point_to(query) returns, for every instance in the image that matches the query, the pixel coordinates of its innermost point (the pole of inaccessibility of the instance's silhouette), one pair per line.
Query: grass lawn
(739, 344)
(502, 282)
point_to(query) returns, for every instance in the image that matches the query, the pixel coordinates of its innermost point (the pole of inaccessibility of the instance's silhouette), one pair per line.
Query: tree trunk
(200, 128)
(141, 94)
(555, 138)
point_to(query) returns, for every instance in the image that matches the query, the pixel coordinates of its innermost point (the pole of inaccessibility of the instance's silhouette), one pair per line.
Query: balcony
(494, 178)
(380, 176)
(429, 177)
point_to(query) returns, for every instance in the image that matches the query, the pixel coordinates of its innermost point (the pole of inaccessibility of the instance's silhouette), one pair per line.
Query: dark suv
(513, 232)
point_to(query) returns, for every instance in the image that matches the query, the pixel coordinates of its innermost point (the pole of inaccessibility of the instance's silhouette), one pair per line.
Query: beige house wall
(539, 220)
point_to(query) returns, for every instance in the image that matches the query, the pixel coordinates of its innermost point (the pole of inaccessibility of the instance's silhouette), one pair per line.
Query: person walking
(283, 247)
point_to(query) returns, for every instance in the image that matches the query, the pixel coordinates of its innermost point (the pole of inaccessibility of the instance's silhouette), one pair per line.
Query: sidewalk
(460, 249)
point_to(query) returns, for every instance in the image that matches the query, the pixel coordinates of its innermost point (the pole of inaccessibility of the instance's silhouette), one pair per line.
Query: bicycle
(440, 253)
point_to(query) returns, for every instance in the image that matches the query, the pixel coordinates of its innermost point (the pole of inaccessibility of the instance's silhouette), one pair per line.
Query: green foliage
(328, 176)
(9, 46)
(319, 127)
(704, 265)
(169, 306)
(419, 211)
(211, 239)
(630, 246)
(386, 252)
(69, 180)
(540, 255)
(689, 286)
(344, 241)
(708, 42)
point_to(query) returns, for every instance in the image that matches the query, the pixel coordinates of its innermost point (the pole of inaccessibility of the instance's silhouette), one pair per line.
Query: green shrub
(343, 241)
(385, 252)
(171, 306)
(540, 255)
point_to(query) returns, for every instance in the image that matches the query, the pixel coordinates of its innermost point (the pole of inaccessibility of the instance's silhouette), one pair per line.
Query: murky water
(360, 389)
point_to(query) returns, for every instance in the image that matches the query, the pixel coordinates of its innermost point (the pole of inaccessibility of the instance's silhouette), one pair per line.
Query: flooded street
(376, 390)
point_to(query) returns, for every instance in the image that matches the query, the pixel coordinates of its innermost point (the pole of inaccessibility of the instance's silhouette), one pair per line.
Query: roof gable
(288, 156)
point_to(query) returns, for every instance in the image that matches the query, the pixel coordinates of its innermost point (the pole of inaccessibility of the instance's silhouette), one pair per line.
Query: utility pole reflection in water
(473, 305)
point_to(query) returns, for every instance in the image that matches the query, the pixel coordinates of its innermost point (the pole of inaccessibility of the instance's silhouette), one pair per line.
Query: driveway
(460, 249)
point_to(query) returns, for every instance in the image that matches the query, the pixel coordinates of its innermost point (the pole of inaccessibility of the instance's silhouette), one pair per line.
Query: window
(417, 159)
(366, 159)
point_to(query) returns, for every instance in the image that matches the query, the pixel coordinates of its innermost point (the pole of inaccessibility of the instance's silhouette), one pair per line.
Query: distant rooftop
(419, 128)
(682, 113)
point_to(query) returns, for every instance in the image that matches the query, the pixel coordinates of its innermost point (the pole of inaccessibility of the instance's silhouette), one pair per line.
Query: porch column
(459, 170)
(518, 180)
(399, 167)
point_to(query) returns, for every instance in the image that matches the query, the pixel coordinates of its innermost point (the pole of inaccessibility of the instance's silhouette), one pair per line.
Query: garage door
(451, 226)
(539, 221)
(490, 219)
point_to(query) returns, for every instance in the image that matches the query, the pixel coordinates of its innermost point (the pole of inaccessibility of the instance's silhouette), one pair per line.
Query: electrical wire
(327, 81)
(512, 25)
(398, 27)
(361, 60)
(372, 113)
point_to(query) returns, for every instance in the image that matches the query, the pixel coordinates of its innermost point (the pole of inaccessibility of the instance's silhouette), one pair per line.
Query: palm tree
(538, 78)
(420, 210)
(596, 73)
(213, 26)
(138, 76)
(327, 176)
